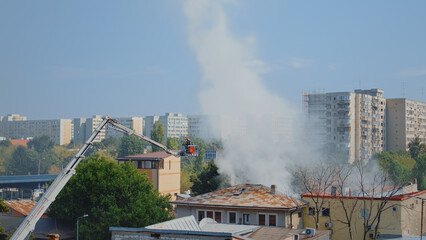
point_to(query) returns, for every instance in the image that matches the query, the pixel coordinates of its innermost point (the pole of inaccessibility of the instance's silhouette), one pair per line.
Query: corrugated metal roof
(246, 195)
(185, 223)
(235, 229)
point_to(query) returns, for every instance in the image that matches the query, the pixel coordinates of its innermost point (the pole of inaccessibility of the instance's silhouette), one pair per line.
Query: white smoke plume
(258, 127)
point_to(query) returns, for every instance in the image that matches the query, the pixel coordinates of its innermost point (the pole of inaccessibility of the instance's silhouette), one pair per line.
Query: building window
(262, 220)
(218, 217)
(246, 218)
(272, 220)
(311, 211)
(393, 209)
(325, 212)
(364, 213)
(232, 217)
(200, 215)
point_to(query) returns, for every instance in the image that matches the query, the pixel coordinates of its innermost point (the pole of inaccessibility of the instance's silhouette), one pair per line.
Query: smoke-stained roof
(244, 196)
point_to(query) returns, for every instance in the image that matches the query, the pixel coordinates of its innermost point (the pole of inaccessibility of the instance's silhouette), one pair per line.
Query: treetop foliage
(112, 195)
(41, 144)
(157, 135)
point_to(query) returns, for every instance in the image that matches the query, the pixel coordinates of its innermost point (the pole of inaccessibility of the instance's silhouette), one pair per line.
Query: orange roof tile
(22, 206)
(244, 196)
(20, 142)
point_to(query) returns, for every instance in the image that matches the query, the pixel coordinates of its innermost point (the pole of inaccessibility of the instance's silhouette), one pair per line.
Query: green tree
(398, 166)
(157, 135)
(131, 145)
(112, 195)
(416, 147)
(420, 171)
(5, 143)
(172, 143)
(22, 162)
(207, 180)
(41, 144)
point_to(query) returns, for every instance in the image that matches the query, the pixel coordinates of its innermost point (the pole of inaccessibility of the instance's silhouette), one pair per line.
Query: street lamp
(421, 218)
(85, 215)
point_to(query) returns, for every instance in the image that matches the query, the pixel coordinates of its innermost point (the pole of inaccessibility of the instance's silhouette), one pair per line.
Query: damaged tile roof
(246, 196)
(24, 207)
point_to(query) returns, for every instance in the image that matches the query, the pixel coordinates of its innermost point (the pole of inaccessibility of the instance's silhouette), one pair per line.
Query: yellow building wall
(169, 177)
(390, 222)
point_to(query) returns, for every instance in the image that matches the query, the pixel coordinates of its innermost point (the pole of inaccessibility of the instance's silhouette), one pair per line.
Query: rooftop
(147, 156)
(22, 206)
(244, 196)
(19, 142)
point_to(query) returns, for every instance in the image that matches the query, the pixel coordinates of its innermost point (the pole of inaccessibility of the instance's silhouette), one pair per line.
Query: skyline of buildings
(362, 123)
(359, 124)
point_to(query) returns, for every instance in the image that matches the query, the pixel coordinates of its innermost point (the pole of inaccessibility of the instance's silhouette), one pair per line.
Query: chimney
(273, 188)
(333, 191)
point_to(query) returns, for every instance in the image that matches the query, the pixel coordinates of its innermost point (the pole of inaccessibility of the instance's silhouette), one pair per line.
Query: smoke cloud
(260, 131)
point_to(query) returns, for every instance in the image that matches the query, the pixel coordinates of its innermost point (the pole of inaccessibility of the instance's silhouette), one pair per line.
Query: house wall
(282, 217)
(392, 222)
(410, 212)
(169, 177)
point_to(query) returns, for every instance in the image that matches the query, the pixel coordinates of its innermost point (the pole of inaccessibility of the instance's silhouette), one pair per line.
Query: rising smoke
(260, 130)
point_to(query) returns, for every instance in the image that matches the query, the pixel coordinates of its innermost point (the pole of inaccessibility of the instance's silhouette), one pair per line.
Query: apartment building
(352, 122)
(406, 119)
(149, 124)
(14, 126)
(83, 128)
(134, 123)
(175, 125)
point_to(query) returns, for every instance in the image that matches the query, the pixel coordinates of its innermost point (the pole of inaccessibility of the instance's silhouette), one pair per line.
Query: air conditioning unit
(372, 235)
(309, 232)
(370, 227)
(328, 224)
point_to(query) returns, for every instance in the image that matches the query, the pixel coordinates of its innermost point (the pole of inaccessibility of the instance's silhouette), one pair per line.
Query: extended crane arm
(28, 225)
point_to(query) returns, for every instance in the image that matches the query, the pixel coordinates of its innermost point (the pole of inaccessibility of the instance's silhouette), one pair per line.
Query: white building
(175, 125)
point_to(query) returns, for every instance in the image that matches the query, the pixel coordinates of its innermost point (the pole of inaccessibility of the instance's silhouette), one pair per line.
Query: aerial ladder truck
(28, 225)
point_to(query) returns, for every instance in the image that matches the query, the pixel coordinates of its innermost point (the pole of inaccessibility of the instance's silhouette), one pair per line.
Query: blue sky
(66, 59)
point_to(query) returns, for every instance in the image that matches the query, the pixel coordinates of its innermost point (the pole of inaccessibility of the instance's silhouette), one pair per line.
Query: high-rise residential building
(134, 123)
(83, 128)
(406, 119)
(175, 125)
(16, 127)
(352, 122)
(149, 124)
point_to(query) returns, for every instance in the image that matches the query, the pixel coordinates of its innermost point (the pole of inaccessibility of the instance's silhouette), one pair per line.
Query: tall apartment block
(83, 128)
(352, 122)
(175, 125)
(14, 126)
(406, 119)
(134, 123)
(149, 124)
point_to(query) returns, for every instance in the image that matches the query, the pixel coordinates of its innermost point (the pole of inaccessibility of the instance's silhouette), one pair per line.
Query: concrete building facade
(353, 123)
(175, 125)
(406, 119)
(83, 128)
(135, 123)
(149, 124)
(17, 127)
